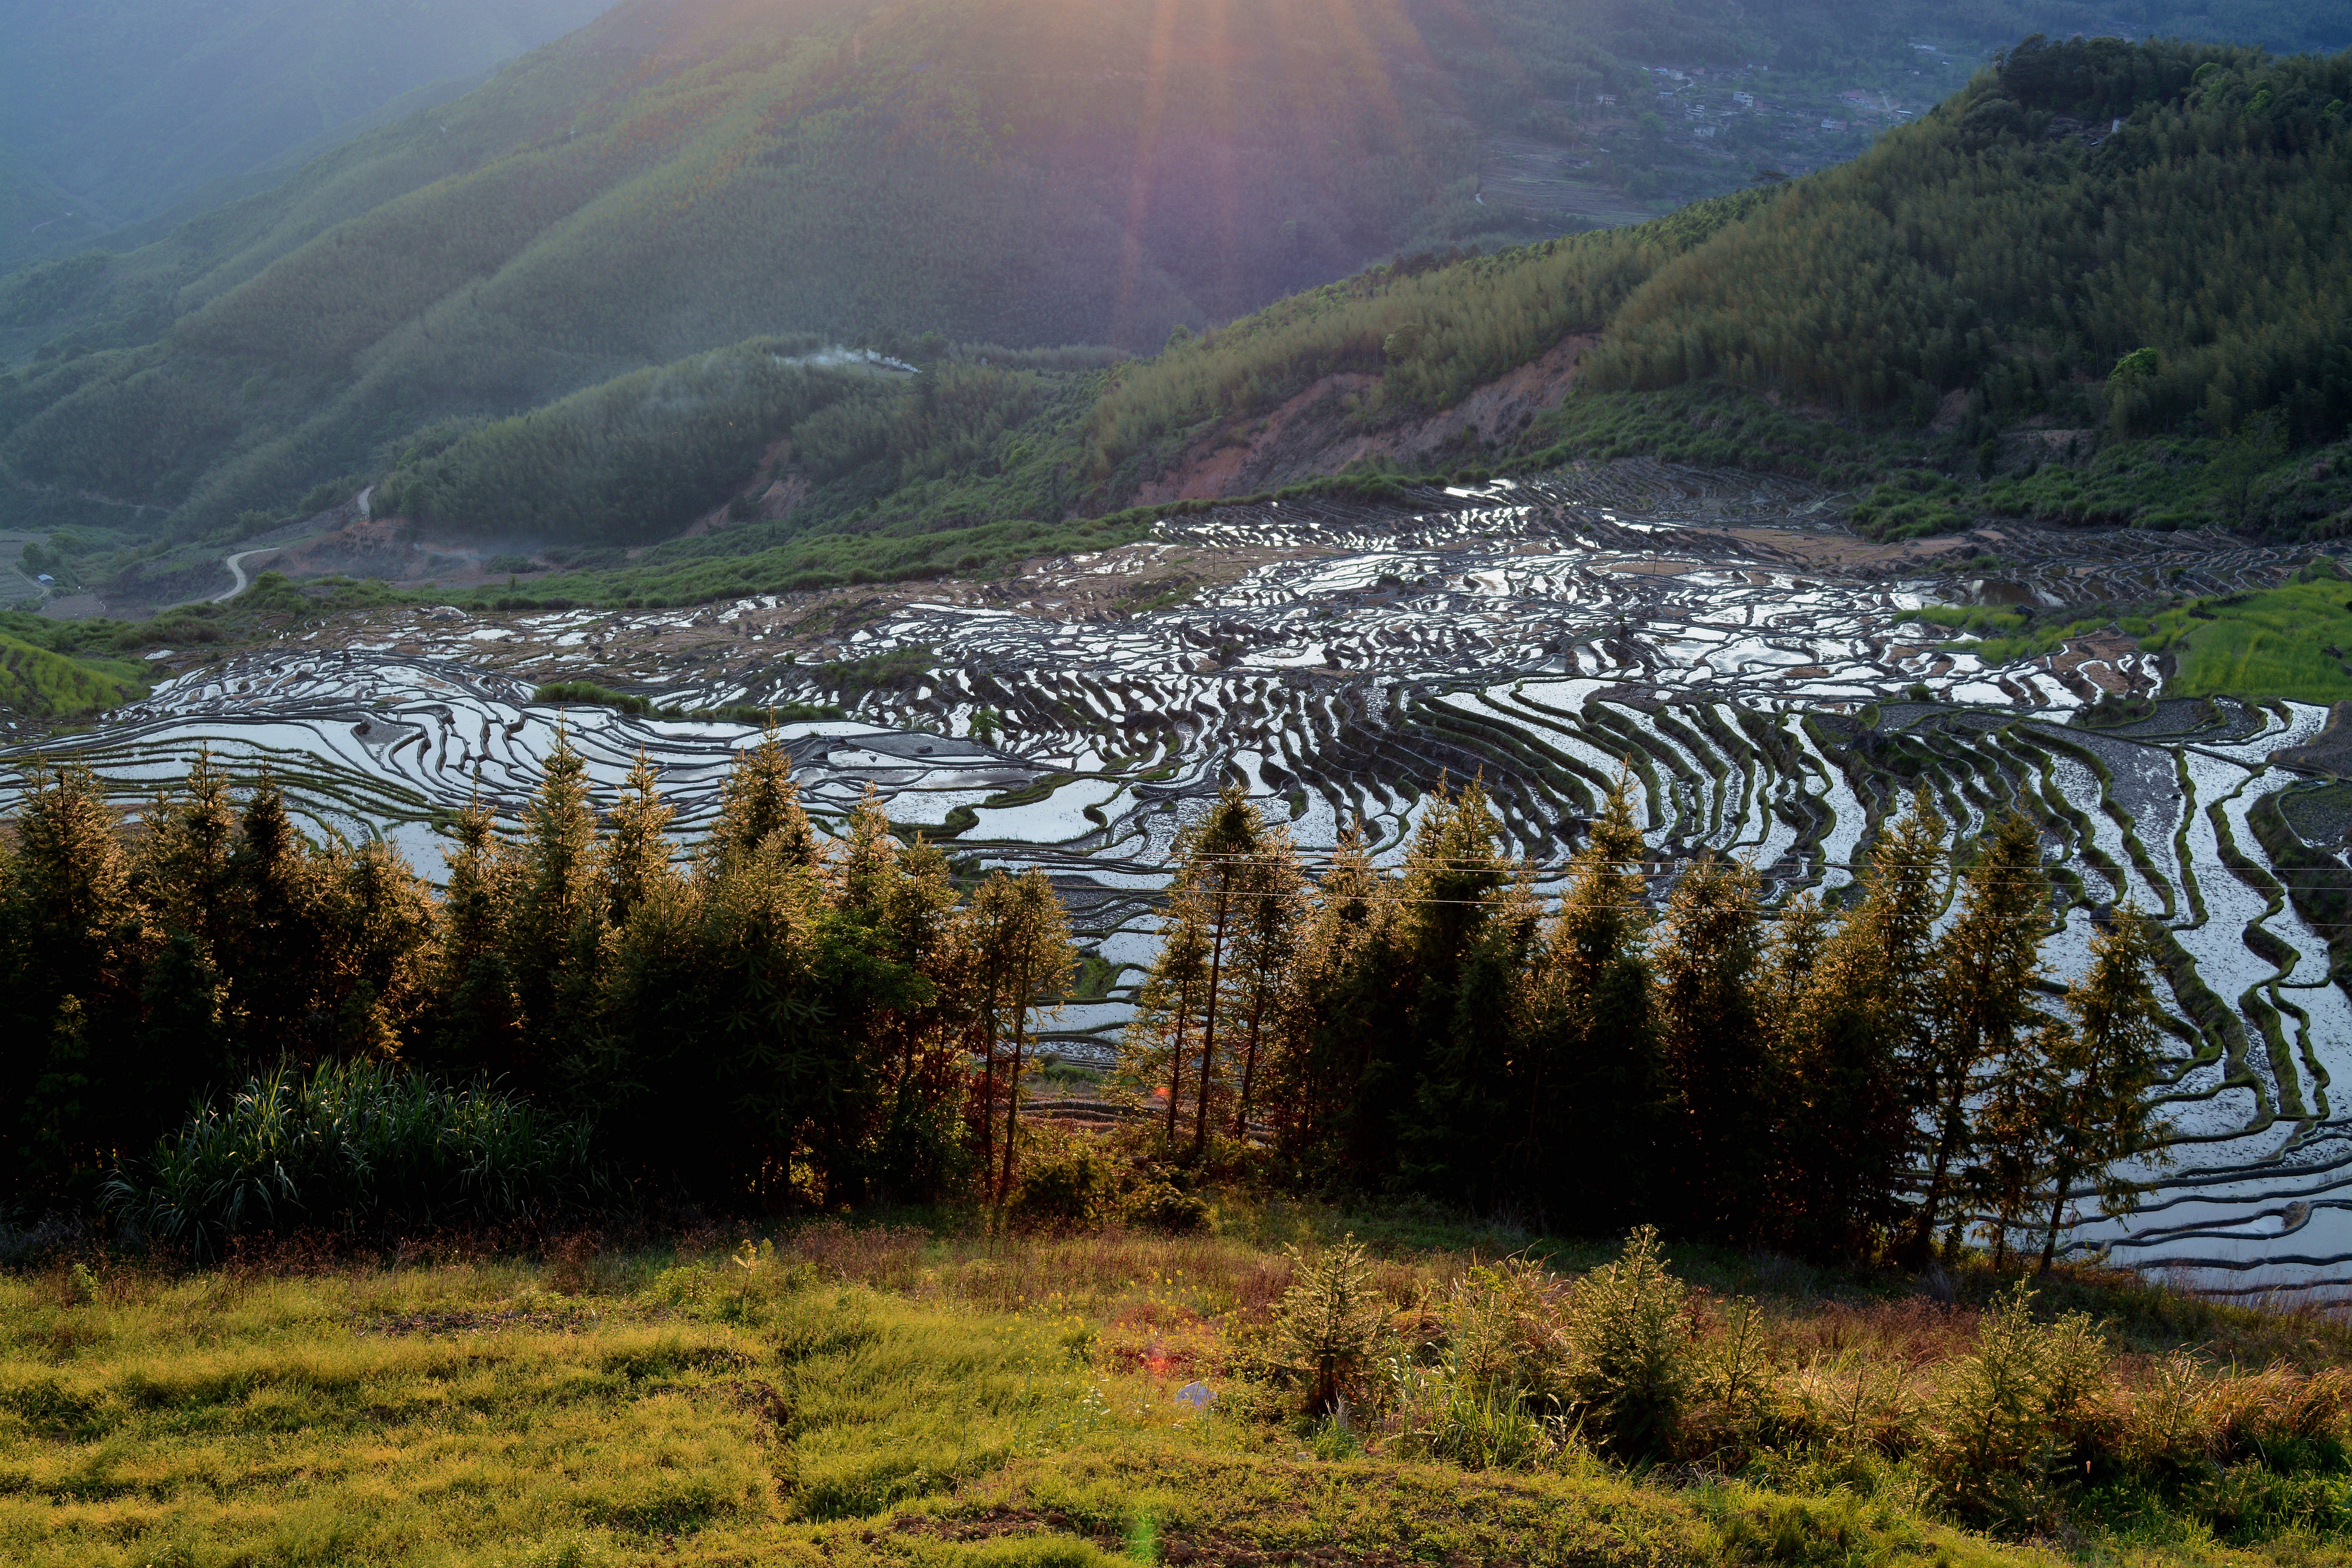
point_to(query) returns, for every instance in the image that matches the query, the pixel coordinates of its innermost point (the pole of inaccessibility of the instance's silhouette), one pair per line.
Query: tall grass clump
(354, 1147)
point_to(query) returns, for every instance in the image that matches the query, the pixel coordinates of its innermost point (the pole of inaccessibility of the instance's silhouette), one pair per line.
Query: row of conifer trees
(784, 1017)
(1858, 1081)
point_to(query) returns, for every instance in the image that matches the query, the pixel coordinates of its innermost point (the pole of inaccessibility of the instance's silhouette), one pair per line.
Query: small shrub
(1852, 1403)
(1329, 1324)
(354, 1147)
(81, 1286)
(2010, 1412)
(1164, 1207)
(1628, 1351)
(1064, 1185)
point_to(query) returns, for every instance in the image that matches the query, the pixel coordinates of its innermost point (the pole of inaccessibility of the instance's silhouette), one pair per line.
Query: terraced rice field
(1740, 657)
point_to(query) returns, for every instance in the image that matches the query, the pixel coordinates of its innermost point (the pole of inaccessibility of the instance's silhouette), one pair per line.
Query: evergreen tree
(757, 802)
(274, 958)
(74, 950)
(185, 865)
(551, 927)
(2073, 1106)
(1338, 992)
(633, 856)
(1267, 946)
(1217, 874)
(1984, 1011)
(1713, 1039)
(1429, 1095)
(1169, 1004)
(473, 1021)
(1850, 1044)
(1595, 1087)
(1023, 936)
(378, 921)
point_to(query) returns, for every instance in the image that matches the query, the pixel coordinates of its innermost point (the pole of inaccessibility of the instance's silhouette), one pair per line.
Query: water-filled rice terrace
(1717, 638)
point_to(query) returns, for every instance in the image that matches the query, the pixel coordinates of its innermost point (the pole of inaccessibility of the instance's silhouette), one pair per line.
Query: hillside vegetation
(2108, 291)
(942, 1397)
(2011, 248)
(668, 180)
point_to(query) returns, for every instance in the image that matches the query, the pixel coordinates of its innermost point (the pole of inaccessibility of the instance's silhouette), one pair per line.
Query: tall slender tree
(2072, 1107)
(1268, 946)
(1595, 1087)
(1713, 1040)
(1023, 934)
(1983, 1008)
(1850, 1044)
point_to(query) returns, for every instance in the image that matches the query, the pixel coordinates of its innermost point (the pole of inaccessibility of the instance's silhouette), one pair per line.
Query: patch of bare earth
(1323, 431)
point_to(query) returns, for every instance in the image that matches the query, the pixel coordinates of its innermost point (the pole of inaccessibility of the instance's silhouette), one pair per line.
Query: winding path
(236, 565)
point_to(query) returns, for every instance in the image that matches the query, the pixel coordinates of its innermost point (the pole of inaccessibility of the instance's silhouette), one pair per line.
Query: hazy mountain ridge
(126, 107)
(677, 178)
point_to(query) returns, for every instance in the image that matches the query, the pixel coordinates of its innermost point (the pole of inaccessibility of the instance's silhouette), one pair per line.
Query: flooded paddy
(1741, 657)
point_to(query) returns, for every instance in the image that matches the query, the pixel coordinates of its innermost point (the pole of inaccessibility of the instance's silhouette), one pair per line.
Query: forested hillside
(674, 179)
(2119, 241)
(671, 180)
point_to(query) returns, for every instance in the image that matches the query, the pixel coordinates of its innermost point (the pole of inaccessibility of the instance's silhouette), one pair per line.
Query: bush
(1065, 1184)
(1161, 1206)
(588, 694)
(2012, 1413)
(1329, 1324)
(354, 1147)
(1629, 1360)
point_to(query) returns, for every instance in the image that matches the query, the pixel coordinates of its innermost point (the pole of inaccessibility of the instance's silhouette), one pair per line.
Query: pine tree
(1339, 992)
(275, 955)
(1268, 947)
(1216, 874)
(758, 801)
(1849, 1044)
(474, 1016)
(1713, 1044)
(2072, 1107)
(1023, 934)
(184, 867)
(1594, 1085)
(634, 854)
(74, 943)
(1983, 1009)
(551, 930)
(1169, 1004)
(380, 922)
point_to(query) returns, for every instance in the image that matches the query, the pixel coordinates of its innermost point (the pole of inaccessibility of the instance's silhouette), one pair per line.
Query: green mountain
(2143, 251)
(124, 109)
(673, 180)
(2105, 282)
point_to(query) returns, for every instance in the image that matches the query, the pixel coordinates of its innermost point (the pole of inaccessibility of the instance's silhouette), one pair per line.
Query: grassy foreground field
(897, 1396)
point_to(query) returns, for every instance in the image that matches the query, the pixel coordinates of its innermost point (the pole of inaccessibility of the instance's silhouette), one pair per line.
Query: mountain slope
(132, 106)
(679, 177)
(674, 179)
(2113, 242)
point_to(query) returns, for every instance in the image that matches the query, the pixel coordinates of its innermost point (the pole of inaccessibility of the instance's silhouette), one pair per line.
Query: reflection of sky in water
(1338, 681)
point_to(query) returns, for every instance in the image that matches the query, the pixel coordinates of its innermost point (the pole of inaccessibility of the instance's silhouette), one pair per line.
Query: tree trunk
(1249, 1063)
(1012, 1093)
(987, 1095)
(1176, 1067)
(1946, 1137)
(1208, 1028)
(2049, 1239)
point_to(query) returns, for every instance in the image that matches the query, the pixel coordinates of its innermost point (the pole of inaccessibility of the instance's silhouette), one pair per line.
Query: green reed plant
(352, 1147)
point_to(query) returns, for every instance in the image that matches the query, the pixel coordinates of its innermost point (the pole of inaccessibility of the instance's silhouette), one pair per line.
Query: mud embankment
(1324, 430)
